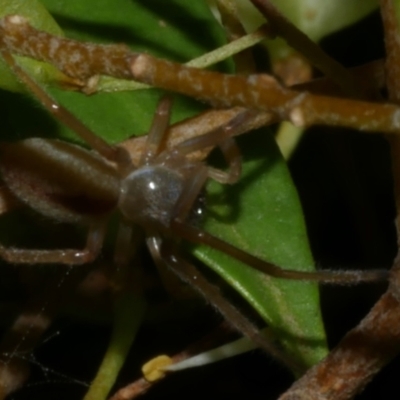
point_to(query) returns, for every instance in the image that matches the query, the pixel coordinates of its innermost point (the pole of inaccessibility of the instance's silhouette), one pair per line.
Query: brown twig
(263, 92)
(359, 356)
(69, 56)
(256, 91)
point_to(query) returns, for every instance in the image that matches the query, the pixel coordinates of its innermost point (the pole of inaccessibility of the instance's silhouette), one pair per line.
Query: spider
(70, 184)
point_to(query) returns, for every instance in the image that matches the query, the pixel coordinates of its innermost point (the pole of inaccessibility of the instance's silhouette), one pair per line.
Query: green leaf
(261, 214)
(140, 25)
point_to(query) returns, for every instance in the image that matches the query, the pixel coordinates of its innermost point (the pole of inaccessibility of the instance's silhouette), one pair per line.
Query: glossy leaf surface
(262, 215)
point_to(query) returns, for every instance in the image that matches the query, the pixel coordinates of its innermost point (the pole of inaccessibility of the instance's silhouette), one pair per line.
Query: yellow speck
(153, 370)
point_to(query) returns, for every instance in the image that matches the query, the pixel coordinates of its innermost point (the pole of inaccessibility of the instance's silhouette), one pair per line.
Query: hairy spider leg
(198, 236)
(96, 232)
(94, 243)
(157, 131)
(165, 251)
(112, 153)
(190, 274)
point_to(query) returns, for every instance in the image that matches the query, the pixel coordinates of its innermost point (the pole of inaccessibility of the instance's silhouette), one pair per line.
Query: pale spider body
(74, 185)
(149, 194)
(70, 184)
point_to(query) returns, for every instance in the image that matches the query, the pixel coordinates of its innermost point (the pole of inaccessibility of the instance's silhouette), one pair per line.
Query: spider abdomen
(60, 180)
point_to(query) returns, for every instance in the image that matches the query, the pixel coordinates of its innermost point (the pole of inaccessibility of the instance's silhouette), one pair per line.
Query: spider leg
(188, 273)
(222, 137)
(218, 135)
(94, 243)
(157, 131)
(198, 236)
(170, 281)
(232, 155)
(112, 153)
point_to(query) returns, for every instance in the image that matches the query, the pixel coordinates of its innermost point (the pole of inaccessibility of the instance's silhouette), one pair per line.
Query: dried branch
(357, 359)
(69, 56)
(257, 91)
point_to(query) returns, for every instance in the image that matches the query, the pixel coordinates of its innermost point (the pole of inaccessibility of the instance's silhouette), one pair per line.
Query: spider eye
(197, 213)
